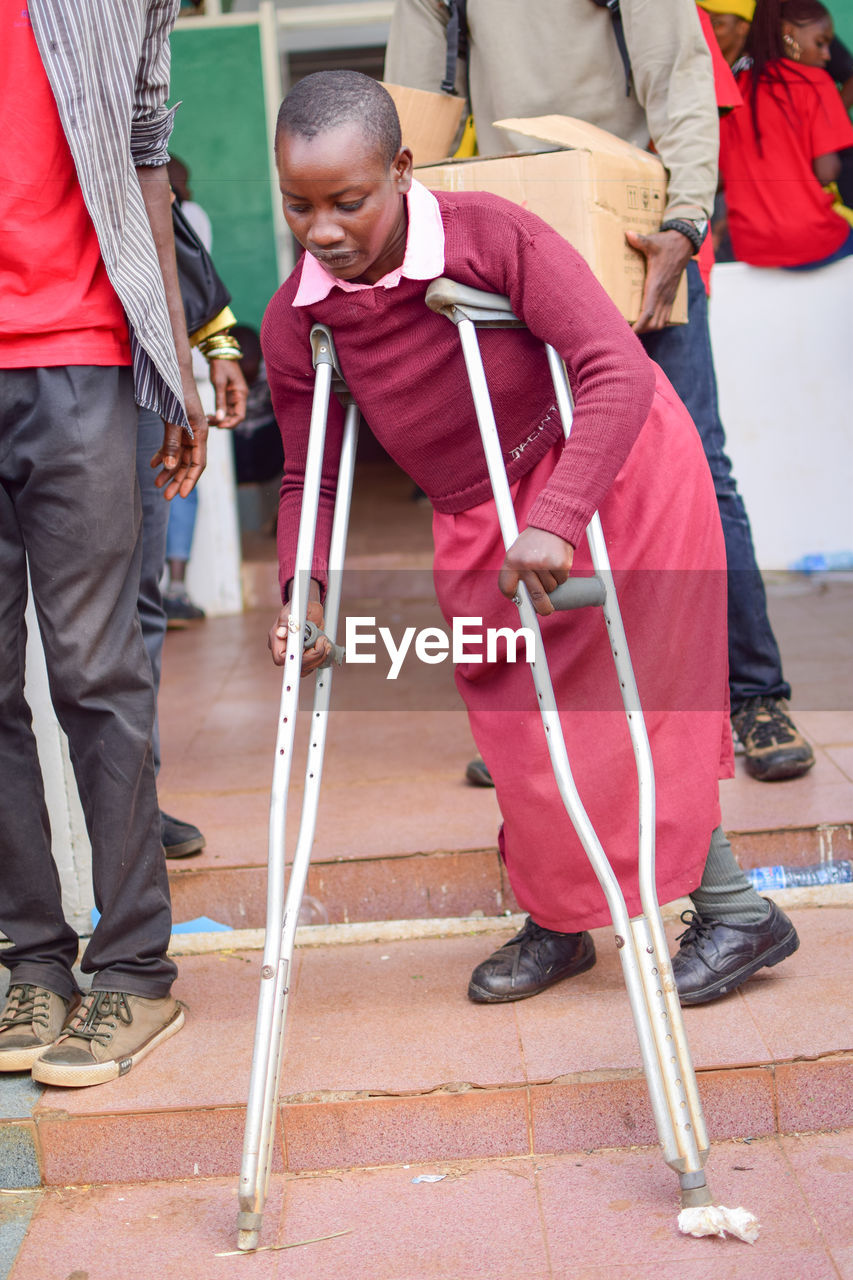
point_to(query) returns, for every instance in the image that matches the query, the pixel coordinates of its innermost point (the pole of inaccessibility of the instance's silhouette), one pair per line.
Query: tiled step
(422, 884)
(603, 1216)
(388, 1063)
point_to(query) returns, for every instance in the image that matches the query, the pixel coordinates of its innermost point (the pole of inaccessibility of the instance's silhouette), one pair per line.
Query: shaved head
(329, 99)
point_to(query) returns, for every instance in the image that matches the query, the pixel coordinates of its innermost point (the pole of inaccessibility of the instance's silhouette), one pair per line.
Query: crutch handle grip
(335, 655)
(323, 348)
(323, 352)
(577, 593)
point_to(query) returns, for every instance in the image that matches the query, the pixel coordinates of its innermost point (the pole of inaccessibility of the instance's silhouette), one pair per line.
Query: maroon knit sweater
(403, 363)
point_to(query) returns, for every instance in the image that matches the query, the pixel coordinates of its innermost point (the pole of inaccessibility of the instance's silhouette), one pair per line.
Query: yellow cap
(740, 8)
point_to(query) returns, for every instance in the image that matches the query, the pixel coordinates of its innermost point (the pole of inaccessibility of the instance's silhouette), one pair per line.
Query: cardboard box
(592, 189)
(429, 121)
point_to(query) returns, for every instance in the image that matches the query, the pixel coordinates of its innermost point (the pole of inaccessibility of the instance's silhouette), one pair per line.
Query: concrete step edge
(186, 944)
(330, 1132)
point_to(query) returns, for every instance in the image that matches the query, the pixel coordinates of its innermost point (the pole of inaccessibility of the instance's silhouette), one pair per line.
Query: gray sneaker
(109, 1034)
(32, 1019)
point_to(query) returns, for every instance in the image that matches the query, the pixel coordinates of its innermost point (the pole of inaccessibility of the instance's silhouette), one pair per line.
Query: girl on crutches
(375, 239)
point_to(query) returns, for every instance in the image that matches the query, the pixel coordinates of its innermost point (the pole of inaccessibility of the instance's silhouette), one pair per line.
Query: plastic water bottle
(763, 878)
(820, 561)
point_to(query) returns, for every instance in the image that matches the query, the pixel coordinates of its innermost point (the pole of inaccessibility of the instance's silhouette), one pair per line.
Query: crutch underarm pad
(460, 301)
(577, 593)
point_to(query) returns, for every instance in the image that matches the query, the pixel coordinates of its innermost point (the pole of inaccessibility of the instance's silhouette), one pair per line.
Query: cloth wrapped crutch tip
(717, 1220)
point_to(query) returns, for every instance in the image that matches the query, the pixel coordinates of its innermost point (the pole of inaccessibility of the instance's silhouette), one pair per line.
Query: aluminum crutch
(283, 913)
(640, 940)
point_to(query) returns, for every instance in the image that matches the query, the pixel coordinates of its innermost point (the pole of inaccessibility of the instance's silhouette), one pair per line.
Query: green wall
(842, 16)
(220, 133)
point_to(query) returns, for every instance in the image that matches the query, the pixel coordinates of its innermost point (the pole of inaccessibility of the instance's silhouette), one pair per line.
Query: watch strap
(695, 231)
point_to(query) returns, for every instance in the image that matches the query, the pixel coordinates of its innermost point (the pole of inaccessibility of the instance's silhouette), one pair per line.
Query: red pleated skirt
(665, 542)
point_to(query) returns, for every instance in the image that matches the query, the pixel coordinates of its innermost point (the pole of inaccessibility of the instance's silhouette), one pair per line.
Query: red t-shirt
(779, 214)
(57, 306)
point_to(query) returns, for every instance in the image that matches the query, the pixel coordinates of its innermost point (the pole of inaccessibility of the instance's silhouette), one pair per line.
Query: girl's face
(813, 39)
(343, 202)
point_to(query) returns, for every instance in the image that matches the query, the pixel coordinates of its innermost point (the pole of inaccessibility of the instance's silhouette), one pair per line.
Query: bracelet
(224, 353)
(217, 340)
(220, 346)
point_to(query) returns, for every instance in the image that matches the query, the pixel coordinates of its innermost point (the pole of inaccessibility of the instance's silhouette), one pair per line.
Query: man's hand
(541, 561)
(182, 459)
(277, 638)
(231, 393)
(667, 253)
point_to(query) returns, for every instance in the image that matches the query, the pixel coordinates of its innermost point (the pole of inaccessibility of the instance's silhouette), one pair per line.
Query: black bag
(457, 44)
(203, 293)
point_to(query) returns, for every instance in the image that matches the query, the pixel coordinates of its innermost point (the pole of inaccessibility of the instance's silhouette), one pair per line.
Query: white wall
(784, 363)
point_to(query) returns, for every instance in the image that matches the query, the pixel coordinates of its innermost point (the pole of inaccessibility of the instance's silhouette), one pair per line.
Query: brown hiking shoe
(109, 1034)
(30, 1022)
(773, 748)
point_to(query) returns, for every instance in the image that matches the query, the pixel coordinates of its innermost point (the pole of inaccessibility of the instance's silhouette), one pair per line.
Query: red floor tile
(823, 1166)
(616, 1214)
(480, 1222)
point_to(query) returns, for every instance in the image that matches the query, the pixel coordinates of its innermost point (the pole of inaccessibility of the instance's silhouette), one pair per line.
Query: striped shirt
(108, 67)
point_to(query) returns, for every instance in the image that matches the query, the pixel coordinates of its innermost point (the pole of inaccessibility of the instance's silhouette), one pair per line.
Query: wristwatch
(695, 229)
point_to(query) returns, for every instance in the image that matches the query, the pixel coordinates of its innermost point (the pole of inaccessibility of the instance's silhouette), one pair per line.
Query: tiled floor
(589, 1217)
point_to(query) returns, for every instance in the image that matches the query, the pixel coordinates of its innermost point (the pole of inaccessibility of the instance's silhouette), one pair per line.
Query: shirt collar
(423, 260)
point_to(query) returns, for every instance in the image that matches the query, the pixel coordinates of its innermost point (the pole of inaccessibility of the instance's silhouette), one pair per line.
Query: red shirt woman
(778, 152)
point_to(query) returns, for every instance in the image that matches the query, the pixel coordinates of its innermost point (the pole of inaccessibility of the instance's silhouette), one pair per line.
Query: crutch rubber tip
(247, 1240)
(695, 1197)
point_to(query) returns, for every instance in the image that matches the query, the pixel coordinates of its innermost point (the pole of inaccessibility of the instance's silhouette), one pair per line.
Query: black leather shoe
(477, 774)
(180, 839)
(715, 958)
(534, 959)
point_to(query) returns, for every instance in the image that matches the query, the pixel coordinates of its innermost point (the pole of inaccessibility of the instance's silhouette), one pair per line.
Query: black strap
(619, 33)
(457, 43)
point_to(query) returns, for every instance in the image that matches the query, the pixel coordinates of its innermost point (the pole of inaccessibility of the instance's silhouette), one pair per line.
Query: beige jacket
(547, 57)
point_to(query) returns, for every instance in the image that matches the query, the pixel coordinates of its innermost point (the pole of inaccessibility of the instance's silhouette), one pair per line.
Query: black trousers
(69, 504)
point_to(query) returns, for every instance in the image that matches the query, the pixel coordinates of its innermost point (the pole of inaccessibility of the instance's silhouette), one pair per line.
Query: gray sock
(725, 893)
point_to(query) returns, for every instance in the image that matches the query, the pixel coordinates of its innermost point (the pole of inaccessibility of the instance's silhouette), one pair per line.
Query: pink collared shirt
(424, 257)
